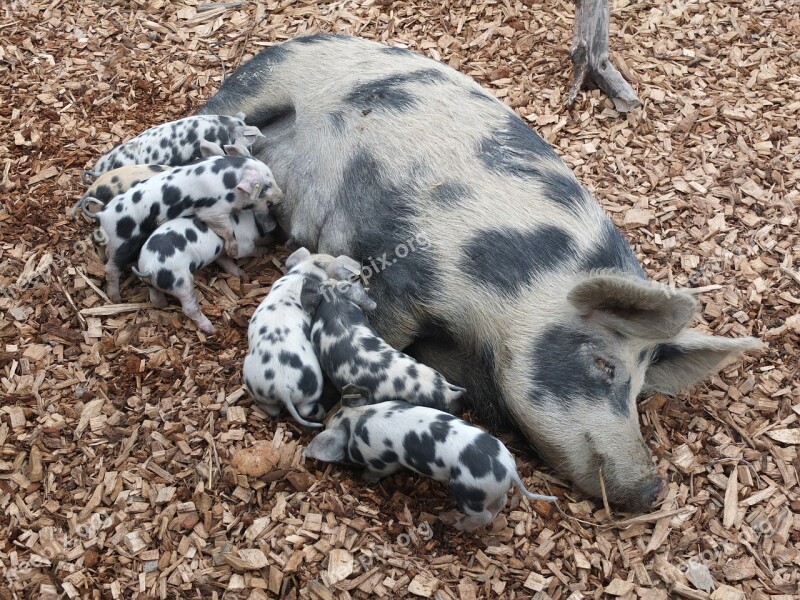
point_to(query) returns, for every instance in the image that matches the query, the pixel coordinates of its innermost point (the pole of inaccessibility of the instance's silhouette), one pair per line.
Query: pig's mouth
(642, 495)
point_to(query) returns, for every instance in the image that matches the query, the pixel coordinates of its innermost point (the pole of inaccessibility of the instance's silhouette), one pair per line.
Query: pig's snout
(660, 493)
(274, 195)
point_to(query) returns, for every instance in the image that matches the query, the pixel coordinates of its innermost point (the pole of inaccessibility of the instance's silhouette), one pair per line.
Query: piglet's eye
(605, 366)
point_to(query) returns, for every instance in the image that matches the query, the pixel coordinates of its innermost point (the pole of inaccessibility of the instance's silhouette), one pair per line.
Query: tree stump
(590, 59)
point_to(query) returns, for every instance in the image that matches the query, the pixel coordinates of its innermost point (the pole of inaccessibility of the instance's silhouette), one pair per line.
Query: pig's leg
(191, 307)
(229, 266)
(497, 505)
(157, 298)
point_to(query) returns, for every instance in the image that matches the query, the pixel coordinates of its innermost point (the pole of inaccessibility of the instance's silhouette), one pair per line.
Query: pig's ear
(354, 396)
(356, 293)
(310, 295)
(250, 177)
(344, 268)
(691, 357)
(633, 306)
(210, 149)
(251, 134)
(237, 149)
(296, 258)
(328, 446)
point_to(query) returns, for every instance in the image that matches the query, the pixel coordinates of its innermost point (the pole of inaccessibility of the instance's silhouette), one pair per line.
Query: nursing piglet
(211, 190)
(385, 437)
(176, 143)
(180, 247)
(281, 369)
(350, 350)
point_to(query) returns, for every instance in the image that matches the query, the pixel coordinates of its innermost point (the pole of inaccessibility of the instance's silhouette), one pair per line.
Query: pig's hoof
(236, 272)
(115, 297)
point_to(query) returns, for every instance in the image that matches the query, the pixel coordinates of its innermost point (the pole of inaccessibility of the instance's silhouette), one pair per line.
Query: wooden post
(590, 59)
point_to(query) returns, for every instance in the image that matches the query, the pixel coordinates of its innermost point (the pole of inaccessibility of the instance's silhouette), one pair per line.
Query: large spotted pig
(211, 190)
(180, 247)
(175, 143)
(527, 295)
(350, 351)
(281, 369)
(385, 437)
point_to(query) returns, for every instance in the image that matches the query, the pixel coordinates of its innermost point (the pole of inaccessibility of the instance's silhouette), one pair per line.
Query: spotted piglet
(385, 437)
(211, 190)
(350, 350)
(176, 143)
(281, 369)
(179, 248)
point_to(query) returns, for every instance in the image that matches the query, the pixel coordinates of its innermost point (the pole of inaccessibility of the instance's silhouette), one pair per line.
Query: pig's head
(257, 188)
(614, 337)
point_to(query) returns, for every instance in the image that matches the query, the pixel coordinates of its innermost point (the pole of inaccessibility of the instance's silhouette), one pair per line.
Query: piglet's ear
(250, 177)
(633, 307)
(343, 267)
(237, 149)
(297, 257)
(328, 446)
(354, 396)
(210, 149)
(310, 296)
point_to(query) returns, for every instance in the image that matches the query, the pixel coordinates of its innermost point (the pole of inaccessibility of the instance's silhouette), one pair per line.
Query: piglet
(117, 182)
(388, 436)
(280, 368)
(211, 190)
(350, 350)
(176, 143)
(180, 247)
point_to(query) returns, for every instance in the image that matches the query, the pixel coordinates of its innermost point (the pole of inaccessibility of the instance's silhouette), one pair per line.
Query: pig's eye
(605, 367)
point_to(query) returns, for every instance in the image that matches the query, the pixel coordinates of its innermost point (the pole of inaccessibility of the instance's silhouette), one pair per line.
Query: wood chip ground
(118, 424)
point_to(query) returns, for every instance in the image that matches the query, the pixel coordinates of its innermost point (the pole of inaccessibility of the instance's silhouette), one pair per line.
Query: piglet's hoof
(232, 249)
(204, 325)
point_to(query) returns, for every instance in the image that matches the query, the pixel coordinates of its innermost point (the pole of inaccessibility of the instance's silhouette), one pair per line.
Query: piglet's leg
(221, 225)
(112, 280)
(191, 308)
(229, 266)
(157, 298)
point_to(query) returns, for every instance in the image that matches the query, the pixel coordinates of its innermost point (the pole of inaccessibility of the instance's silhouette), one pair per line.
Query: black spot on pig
(291, 359)
(308, 383)
(480, 457)
(468, 498)
(199, 170)
(439, 429)
(612, 251)
(104, 194)
(165, 279)
(390, 93)
(224, 162)
(119, 208)
(515, 149)
(193, 267)
(191, 137)
(317, 38)
(563, 370)
(170, 194)
(395, 51)
(164, 142)
(125, 227)
(166, 244)
(361, 430)
(191, 235)
(200, 225)
(450, 193)
(137, 196)
(388, 456)
(419, 452)
(509, 259)
(563, 189)
(156, 168)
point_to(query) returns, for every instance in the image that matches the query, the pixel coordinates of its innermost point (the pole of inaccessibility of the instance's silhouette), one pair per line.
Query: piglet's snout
(660, 493)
